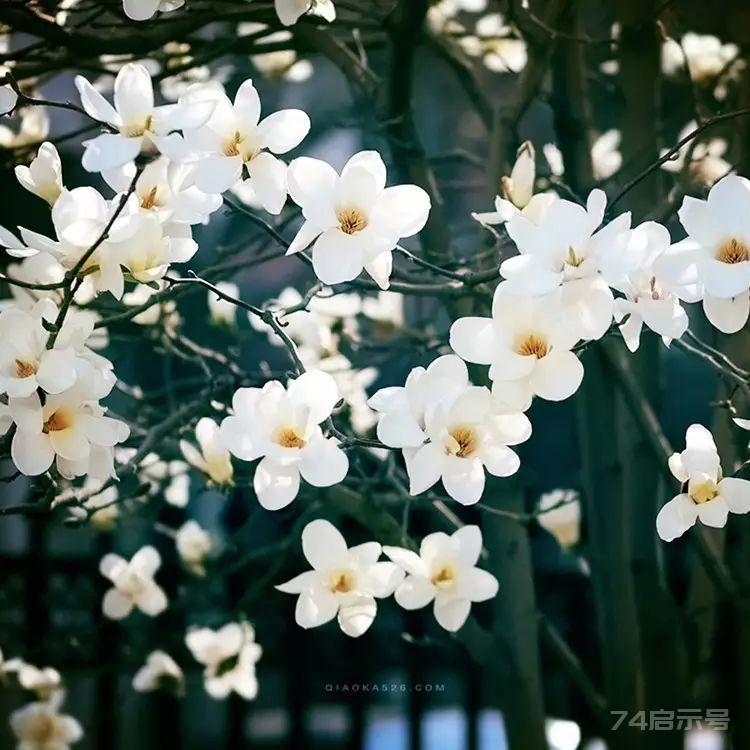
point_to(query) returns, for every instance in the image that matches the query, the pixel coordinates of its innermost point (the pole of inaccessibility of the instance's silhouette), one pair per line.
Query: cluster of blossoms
(578, 275)
(345, 581)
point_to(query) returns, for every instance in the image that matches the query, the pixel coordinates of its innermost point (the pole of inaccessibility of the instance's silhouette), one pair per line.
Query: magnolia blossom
(166, 189)
(236, 139)
(353, 220)
(606, 157)
(68, 428)
(34, 127)
(565, 250)
(526, 342)
(282, 426)
(8, 99)
(43, 177)
(40, 726)
(403, 409)
(707, 496)
(559, 513)
(229, 656)
(493, 43)
(649, 298)
(26, 363)
(142, 10)
(160, 671)
(700, 162)
(139, 124)
(221, 311)
(281, 64)
(466, 437)
(444, 572)
(45, 682)
(290, 11)
(212, 459)
(133, 584)
(707, 56)
(344, 582)
(713, 262)
(193, 544)
(518, 192)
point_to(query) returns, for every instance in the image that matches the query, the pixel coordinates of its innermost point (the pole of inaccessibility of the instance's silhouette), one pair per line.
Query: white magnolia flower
(40, 726)
(147, 251)
(166, 189)
(80, 217)
(467, 437)
(141, 126)
(213, 458)
(518, 192)
(281, 64)
(282, 427)
(353, 220)
(444, 572)
(26, 363)
(229, 656)
(565, 250)
(606, 157)
(133, 584)
(70, 428)
(45, 682)
(312, 329)
(34, 127)
(633, 270)
(40, 268)
(235, 139)
(344, 581)
(160, 672)
(386, 309)
(560, 514)
(491, 41)
(403, 409)
(221, 311)
(193, 544)
(527, 343)
(167, 477)
(103, 505)
(290, 11)
(707, 56)
(701, 162)
(142, 10)
(715, 257)
(707, 497)
(43, 176)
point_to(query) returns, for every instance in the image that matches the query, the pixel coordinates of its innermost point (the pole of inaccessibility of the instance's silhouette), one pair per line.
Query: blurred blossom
(564, 522)
(193, 544)
(707, 56)
(211, 458)
(221, 311)
(700, 163)
(282, 64)
(33, 127)
(562, 734)
(605, 154)
(159, 672)
(493, 43)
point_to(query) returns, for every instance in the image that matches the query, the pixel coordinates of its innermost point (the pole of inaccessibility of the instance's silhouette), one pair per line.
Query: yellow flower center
(41, 729)
(573, 258)
(25, 368)
(462, 442)
(342, 581)
(733, 251)
(704, 492)
(232, 146)
(149, 200)
(351, 220)
(444, 577)
(58, 421)
(289, 437)
(532, 344)
(136, 130)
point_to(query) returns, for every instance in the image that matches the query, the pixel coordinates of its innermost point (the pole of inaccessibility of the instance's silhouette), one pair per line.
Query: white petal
(479, 585)
(464, 479)
(676, 517)
(215, 174)
(317, 391)
(409, 561)
(337, 257)
(404, 209)
(95, 104)
(323, 545)
(736, 493)
(275, 484)
(282, 131)
(399, 429)
(415, 592)
(500, 460)
(473, 339)
(268, 176)
(115, 606)
(311, 180)
(147, 560)
(315, 609)
(382, 578)
(247, 105)
(356, 617)
(298, 584)
(451, 614)
(469, 544)
(713, 513)
(323, 463)
(109, 151)
(424, 468)
(728, 315)
(57, 370)
(557, 376)
(239, 439)
(134, 93)
(32, 454)
(140, 10)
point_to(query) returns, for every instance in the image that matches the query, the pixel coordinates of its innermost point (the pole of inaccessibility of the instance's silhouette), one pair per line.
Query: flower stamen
(462, 442)
(733, 251)
(25, 368)
(351, 220)
(533, 345)
(289, 437)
